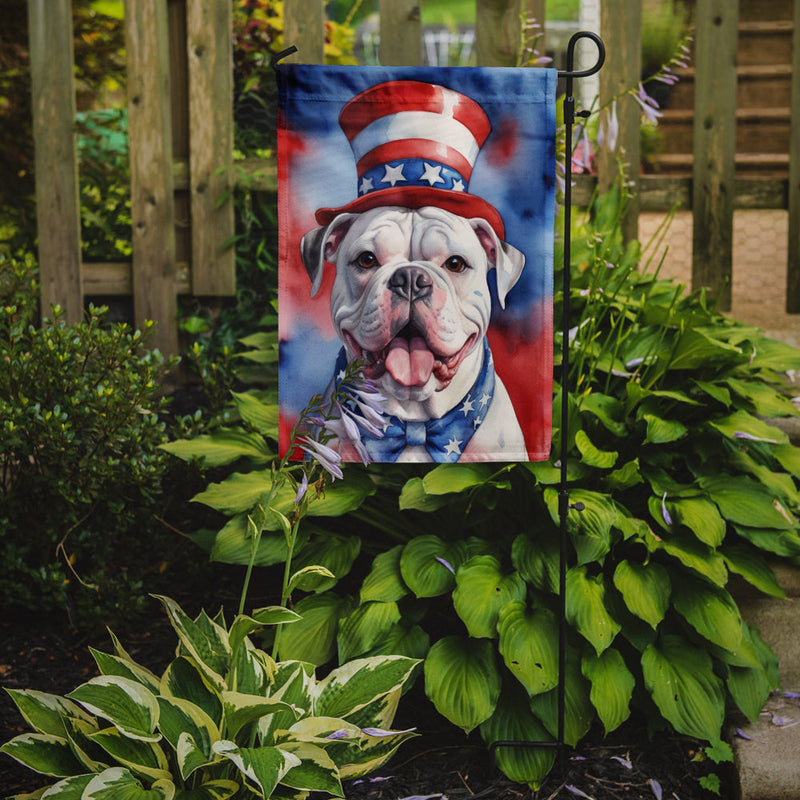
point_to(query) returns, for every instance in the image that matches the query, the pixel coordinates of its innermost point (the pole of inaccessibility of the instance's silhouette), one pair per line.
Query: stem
(287, 576)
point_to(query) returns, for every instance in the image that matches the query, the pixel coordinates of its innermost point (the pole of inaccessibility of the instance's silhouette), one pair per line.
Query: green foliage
(79, 430)
(683, 483)
(223, 718)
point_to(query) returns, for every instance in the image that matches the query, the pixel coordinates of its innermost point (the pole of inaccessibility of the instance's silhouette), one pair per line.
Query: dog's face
(410, 295)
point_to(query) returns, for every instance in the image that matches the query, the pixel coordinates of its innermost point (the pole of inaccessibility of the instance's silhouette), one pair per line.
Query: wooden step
(765, 42)
(754, 10)
(767, 165)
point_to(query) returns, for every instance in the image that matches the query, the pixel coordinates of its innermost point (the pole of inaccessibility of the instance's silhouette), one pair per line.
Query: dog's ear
(320, 245)
(505, 258)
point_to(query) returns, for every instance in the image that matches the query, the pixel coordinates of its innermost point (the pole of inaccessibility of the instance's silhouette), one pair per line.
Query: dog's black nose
(411, 283)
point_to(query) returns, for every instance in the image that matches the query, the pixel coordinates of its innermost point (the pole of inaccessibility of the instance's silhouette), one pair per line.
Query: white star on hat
(458, 186)
(432, 174)
(393, 174)
(366, 185)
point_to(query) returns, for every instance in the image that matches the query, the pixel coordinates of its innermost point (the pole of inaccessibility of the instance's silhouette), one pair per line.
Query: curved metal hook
(569, 72)
(277, 57)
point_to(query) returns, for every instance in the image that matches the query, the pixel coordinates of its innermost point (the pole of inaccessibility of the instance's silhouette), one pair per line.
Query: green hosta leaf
(334, 553)
(264, 766)
(313, 638)
(693, 554)
(365, 628)
(612, 687)
(428, 565)
(413, 496)
(385, 582)
(625, 477)
(749, 688)
(683, 685)
(462, 680)
(608, 410)
(223, 446)
(529, 645)
(356, 684)
(481, 591)
(779, 484)
(701, 517)
(449, 478)
(716, 391)
(44, 753)
(590, 528)
(182, 679)
(512, 721)
(145, 759)
(780, 542)
(242, 709)
(117, 783)
(767, 401)
(578, 710)
(695, 349)
(602, 459)
(788, 455)
(709, 610)
(126, 704)
(753, 567)
(745, 502)
(45, 712)
(212, 790)
(399, 640)
(774, 355)
(233, 544)
(740, 422)
(645, 588)
(537, 560)
(206, 644)
(125, 668)
(261, 416)
(586, 608)
(316, 772)
(270, 615)
(663, 431)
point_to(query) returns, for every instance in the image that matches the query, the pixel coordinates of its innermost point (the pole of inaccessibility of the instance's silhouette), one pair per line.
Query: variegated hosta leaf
(683, 685)
(125, 668)
(252, 670)
(365, 627)
(294, 685)
(68, 789)
(242, 709)
(203, 640)
(612, 687)
(211, 790)
(117, 783)
(145, 759)
(44, 753)
(481, 591)
(529, 645)
(462, 680)
(45, 712)
(244, 625)
(180, 717)
(183, 679)
(586, 608)
(645, 588)
(262, 766)
(126, 704)
(78, 733)
(513, 721)
(371, 754)
(358, 683)
(578, 710)
(316, 771)
(385, 581)
(710, 610)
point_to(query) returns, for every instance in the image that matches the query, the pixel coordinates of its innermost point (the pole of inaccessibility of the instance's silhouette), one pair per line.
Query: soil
(45, 654)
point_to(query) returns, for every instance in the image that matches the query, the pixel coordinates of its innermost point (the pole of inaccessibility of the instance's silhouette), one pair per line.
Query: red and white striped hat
(415, 145)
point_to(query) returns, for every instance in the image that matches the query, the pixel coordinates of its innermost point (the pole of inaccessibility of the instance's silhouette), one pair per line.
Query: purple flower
(655, 786)
(608, 131)
(301, 489)
(577, 792)
(649, 106)
(751, 437)
(742, 735)
(325, 456)
(664, 512)
(447, 564)
(624, 761)
(380, 732)
(342, 733)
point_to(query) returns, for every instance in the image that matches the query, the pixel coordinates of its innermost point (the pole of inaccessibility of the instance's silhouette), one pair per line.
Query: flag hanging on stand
(416, 222)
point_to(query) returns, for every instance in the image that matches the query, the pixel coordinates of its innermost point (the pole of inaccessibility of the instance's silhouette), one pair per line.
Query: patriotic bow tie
(444, 437)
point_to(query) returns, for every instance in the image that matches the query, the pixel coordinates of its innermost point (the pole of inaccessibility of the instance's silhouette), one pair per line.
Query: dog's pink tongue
(410, 363)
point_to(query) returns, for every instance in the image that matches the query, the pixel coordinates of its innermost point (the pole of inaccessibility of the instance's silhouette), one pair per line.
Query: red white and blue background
(478, 143)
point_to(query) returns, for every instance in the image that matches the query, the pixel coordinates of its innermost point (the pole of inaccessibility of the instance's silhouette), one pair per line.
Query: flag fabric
(416, 227)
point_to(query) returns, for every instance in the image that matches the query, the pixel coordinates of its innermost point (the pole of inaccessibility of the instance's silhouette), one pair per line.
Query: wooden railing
(181, 133)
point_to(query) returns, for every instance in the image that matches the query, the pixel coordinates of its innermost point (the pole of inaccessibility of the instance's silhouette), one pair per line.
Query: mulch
(45, 654)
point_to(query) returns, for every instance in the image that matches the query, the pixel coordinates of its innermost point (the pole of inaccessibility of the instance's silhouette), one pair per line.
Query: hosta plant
(224, 720)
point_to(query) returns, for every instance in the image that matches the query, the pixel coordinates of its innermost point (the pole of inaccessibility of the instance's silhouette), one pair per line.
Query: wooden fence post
(498, 30)
(793, 266)
(56, 161)
(714, 190)
(401, 33)
(621, 28)
(152, 200)
(210, 55)
(304, 27)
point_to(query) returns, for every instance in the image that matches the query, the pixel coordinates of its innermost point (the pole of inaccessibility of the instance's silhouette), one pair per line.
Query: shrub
(223, 720)
(79, 428)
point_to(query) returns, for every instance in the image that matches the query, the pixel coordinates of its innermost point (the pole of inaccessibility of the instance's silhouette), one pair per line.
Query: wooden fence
(180, 92)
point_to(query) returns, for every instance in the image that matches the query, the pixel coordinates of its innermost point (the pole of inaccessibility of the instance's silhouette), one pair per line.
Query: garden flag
(416, 221)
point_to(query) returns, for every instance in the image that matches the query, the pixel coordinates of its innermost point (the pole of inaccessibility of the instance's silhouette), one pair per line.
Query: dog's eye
(455, 264)
(366, 260)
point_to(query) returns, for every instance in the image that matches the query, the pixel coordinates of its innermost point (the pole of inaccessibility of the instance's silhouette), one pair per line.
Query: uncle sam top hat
(415, 144)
